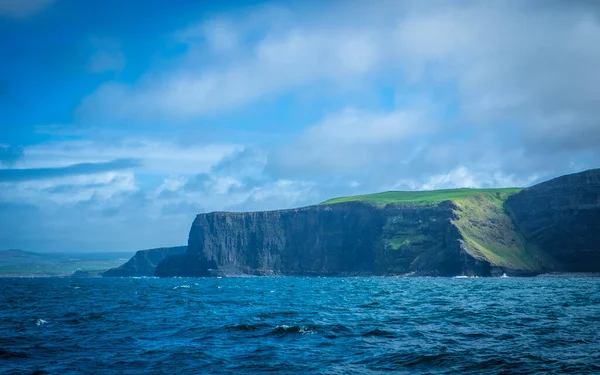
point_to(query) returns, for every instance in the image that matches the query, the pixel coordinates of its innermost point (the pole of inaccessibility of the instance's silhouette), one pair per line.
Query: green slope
(490, 234)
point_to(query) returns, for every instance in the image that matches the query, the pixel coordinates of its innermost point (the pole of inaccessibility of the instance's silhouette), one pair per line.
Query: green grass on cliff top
(421, 197)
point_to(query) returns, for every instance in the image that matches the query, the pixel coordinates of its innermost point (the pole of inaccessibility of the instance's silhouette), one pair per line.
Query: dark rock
(144, 262)
(187, 265)
(562, 217)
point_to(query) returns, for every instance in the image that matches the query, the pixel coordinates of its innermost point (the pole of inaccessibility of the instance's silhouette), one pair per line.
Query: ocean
(285, 325)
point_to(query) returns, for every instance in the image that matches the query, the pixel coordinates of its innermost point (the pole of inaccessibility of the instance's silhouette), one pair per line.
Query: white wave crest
(185, 286)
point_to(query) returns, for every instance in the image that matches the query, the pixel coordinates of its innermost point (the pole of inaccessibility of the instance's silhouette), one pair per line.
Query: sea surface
(300, 326)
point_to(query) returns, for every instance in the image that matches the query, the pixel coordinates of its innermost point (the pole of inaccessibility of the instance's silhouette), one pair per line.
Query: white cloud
(69, 189)
(463, 177)
(276, 195)
(459, 177)
(118, 210)
(353, 139)
(238, 181)
(353, 127)
(158, 157)
(274, 64)
(172, 183)
(516, 64)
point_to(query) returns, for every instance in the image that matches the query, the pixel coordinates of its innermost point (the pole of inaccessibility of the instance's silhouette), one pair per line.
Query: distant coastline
(20, 263)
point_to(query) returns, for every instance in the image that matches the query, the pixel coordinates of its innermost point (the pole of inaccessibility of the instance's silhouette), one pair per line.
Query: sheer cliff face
(562, 217)
(341, 239)
(317, 240)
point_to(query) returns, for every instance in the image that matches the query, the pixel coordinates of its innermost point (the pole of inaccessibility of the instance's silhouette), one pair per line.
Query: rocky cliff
(353, 238)
(550, 226)
(144, 262)
(562, 218)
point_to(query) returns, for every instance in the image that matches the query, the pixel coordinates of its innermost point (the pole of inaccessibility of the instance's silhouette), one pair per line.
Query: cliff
(562, 217)
(352, 238)
(343, 239)
(144, 262)
(550, 226)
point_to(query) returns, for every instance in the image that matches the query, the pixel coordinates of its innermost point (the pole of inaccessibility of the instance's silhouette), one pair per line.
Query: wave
(285, 329)
(278, 330)
(185, 286)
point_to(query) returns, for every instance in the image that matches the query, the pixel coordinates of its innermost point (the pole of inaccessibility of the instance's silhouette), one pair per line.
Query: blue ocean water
(300, 326)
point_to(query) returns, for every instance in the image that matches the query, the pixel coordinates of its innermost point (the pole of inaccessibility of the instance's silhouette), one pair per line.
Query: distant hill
(15, 262)
(6, 255)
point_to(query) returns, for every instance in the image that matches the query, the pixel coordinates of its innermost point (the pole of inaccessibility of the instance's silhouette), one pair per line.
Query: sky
(122, 120)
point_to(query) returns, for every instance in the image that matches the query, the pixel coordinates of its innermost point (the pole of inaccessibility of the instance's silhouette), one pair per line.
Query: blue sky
(121, 120)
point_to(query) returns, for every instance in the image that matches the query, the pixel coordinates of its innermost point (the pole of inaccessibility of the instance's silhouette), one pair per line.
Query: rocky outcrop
(562, 218)
(144, 262)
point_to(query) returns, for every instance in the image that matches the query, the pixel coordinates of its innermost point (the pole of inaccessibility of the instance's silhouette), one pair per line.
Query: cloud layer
(82, 169)
(282, 105)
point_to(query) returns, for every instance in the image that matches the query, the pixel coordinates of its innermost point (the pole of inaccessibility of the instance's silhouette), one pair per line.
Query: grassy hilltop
(425, 197)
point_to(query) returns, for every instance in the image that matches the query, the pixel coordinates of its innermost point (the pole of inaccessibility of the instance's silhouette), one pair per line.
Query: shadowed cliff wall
(562, 217)
(342, 239)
